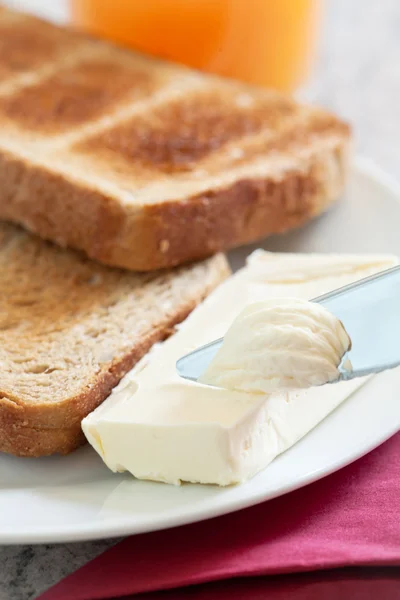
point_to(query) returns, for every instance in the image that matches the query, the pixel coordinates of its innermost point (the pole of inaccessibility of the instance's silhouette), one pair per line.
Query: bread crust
(169, 233)
(48, 428)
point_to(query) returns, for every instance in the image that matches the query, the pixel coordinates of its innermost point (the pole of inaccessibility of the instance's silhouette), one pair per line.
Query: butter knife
(369, 310)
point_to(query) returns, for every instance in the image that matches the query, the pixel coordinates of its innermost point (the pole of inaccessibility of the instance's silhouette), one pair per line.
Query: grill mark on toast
(293, 135)
(78, 93)
(176, 136)
(25, 43)
(30, 78)
(288, 139)
(173, 87)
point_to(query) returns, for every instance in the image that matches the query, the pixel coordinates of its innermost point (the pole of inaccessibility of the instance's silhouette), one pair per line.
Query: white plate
(76, 498)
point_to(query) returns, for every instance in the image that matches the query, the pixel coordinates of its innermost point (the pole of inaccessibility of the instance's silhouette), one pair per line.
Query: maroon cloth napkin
(340, 584)
(351, 518)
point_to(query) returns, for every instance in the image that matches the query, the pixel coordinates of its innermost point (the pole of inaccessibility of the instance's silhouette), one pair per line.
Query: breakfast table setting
(336, 536)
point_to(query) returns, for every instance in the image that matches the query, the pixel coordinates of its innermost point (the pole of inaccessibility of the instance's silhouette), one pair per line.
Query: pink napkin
(351, 518)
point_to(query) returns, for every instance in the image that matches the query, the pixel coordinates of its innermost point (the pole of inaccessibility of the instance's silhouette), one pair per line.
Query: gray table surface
(358, 76)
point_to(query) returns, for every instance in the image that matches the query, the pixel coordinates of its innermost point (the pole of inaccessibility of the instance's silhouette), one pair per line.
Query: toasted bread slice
(70, 328)
(144, 164)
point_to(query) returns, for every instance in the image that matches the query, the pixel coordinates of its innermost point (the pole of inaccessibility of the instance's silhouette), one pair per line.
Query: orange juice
(265, 42)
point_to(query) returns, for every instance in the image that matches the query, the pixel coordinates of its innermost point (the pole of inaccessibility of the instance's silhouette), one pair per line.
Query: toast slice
(70, 328)
(144, 164)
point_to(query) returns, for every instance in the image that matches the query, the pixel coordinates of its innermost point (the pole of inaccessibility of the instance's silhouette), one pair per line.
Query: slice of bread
(70, 329)
(144, 164)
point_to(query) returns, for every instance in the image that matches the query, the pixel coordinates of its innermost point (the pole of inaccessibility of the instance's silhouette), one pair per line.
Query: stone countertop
(357, 76)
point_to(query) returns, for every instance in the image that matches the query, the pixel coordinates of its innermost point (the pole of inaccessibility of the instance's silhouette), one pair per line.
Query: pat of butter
(161, 427)
(279, 344)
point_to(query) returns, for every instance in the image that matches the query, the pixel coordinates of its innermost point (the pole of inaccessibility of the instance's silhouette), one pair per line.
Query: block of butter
(161, 427)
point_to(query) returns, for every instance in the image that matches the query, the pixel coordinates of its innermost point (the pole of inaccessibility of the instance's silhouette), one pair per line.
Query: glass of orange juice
(264, 42)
